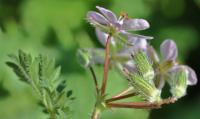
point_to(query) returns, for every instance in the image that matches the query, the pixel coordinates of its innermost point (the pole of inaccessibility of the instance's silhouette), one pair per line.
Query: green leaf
(18, 71)
(25, 61)
(43, 76)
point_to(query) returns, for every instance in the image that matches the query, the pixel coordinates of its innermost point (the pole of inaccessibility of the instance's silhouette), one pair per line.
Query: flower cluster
(136, 59)
(107, 23)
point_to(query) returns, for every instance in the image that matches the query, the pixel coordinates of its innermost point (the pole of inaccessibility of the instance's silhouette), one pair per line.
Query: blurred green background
(58, 28)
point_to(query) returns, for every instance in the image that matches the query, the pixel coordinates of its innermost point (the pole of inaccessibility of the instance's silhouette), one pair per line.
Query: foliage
(57, 28)
(42, 75)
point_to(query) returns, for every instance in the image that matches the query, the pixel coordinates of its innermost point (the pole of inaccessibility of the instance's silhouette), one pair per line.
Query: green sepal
(84, 58)
(143, 65)
(179, 84)
(147, 90)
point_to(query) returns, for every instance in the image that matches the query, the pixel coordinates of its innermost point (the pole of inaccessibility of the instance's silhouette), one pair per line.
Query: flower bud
(179, 83)
(147, 90)
(143, 65)
(84, 58)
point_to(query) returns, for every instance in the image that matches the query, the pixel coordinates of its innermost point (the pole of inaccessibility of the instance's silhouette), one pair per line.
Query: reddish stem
(106, 65)
(120, 97)
(141, 105)
(136, 105)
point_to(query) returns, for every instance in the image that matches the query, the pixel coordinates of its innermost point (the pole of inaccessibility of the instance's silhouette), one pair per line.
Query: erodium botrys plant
(137, 61)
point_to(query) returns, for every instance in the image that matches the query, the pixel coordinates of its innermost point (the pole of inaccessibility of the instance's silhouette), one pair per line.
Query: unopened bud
(179, 83)
(147, 90)
(84, 58)
(143, 65)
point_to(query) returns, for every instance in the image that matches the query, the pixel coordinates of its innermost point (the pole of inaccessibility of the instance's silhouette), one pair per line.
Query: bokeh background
(58, 28)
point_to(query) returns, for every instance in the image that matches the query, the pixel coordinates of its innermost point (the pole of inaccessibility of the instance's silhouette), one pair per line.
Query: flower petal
(108, 14)
(94, 56)
(96, 18)
(192, 77)
(130, 66)
(135, 24)
(152, 54)
(102, 37)
(137, 45)
(141, 44)
(132, 36)
(169, 50)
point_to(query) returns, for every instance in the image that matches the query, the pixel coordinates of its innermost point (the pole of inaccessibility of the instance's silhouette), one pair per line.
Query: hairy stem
(106, 65)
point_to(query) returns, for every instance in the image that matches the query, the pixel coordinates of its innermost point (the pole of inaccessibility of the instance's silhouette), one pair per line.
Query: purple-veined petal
(169, 50)
(126, 51)
(132, 38)
(135, 24)
(102, 37)
(108, 14)
(139, 44)
(192, 77)
(94, 17)
(130, 66)
(96, 55)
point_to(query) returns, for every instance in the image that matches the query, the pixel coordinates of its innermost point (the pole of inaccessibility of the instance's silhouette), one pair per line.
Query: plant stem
(136, 105)
(124, 92)
(141, 105)
(120, 97)
(52, 115)
(106, 65)
(167, 101)
(95, 80)
(95, 113)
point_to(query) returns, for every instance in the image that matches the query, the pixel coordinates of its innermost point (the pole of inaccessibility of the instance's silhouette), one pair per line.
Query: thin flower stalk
(141, 105)
(120, 97)
(106, 66)
(95, 79)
